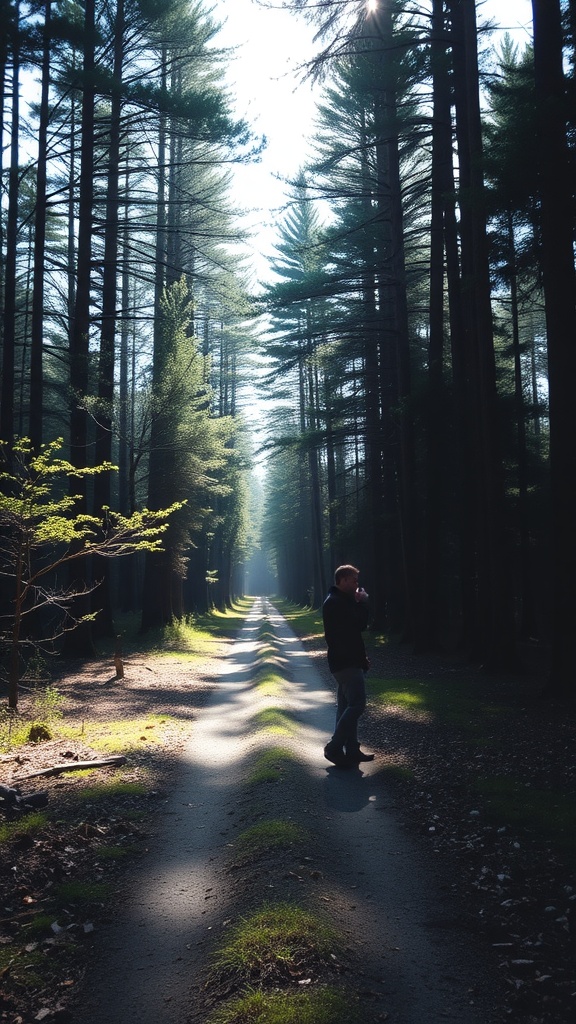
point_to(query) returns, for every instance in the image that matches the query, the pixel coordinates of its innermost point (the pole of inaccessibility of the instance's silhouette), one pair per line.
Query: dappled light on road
(253, 774)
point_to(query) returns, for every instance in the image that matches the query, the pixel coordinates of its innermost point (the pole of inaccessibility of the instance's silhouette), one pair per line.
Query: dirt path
(413, 962)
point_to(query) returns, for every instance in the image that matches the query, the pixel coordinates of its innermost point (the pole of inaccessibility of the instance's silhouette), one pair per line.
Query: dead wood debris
(73, 766)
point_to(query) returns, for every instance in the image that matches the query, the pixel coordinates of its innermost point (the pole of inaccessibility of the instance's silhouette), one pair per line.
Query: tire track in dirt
(405, 953)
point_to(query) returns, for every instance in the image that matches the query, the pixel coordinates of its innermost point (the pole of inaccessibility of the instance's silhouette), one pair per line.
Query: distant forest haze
(413, 345)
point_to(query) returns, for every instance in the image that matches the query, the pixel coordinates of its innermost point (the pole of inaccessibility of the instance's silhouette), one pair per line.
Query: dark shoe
(336, 754)
(358, 756)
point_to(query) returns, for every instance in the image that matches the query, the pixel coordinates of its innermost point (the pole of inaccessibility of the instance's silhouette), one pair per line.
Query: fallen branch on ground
(74, 766)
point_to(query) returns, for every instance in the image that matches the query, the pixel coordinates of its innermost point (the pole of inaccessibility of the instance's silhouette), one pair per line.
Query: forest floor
(473, 785)
(487, 782)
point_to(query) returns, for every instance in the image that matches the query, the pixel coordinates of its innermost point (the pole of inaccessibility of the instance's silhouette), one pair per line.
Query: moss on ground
(271, 765)
(268, 835)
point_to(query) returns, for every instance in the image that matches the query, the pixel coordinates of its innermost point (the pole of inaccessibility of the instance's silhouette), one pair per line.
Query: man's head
(346, 578)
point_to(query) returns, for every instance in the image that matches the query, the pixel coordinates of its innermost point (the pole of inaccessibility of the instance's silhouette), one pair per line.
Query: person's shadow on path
(346, 789)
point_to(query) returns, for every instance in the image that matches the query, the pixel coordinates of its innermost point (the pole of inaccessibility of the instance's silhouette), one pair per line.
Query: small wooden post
(118, 663)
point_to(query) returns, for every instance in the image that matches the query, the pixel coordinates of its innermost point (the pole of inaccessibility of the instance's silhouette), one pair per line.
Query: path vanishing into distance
(413, 962)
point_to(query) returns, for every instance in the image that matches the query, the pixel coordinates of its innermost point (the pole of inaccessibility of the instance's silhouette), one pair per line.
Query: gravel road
(415, 961)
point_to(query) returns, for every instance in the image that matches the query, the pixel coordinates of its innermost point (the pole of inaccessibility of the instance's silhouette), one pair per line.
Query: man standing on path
(345, 615)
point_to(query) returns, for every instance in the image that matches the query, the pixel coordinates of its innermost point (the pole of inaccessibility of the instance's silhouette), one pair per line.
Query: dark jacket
(344, 620)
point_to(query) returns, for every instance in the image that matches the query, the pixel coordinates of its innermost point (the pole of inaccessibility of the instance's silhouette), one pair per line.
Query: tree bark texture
(37, 325)
(495, 639)
(9, 321)
(78, 642)
(557, 201)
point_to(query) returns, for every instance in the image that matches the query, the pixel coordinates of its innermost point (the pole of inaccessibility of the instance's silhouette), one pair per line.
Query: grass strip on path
(322, 1006)
(277, 950)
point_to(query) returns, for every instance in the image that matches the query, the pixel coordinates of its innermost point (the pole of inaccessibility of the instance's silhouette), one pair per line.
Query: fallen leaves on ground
(516, 889)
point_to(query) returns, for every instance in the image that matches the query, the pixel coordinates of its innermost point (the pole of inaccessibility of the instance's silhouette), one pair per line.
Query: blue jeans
(351, 697)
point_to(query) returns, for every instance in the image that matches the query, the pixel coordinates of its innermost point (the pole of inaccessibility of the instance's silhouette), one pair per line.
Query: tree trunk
(304, 489)
(37, 329)
(528, 626)
(317, 532)
(461, 615)
(495, 627)
(71, 247)
(314, 468)
(557, 200)
(334, 517)
(9, 331)
(78, 642)
(104, 625)
(436, 439)
(174, 213)
(394, 315)
(157, 589)
(374, 442)
(6, 12)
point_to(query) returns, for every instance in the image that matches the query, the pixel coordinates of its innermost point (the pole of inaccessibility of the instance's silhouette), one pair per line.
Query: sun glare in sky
(270, 50)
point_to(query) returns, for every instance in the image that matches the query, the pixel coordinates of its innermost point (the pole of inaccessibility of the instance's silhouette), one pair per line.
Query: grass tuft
(112, 790)
(113, 853)
(436, 699)
(25, 967)
(397, 772)
(31, 825)
(39, 733)
(271, 765)
(306, 622)
(192, 637)
(226, 623)
(266, 836)
(119, 737)
(267, 635)
(322, 1006)
(268, 683)
(35, 720)
(272, 945)
(266, 653)
(275, 720)
(81, 894)
(37, 926)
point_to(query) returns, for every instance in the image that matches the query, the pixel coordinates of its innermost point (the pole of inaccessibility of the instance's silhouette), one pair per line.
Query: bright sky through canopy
(271, 45)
